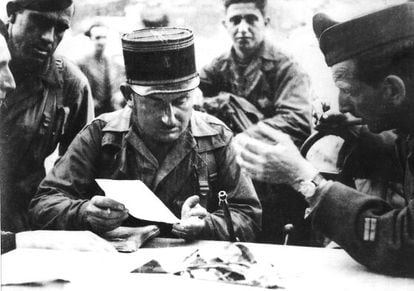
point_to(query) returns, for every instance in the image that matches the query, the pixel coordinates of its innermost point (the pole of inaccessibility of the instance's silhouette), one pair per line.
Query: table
(300, 268)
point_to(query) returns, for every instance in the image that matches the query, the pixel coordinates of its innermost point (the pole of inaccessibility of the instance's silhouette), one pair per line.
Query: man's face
(361, 99)
(6, 78)
(246, 25)
(163, 117)
(98, 36)
(35, 35)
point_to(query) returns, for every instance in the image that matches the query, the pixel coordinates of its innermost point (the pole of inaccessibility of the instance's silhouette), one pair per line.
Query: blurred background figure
(97, 68)
(154, 14)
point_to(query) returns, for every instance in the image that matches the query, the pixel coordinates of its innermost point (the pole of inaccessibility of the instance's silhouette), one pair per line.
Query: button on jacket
(110, 148)
(44, 111)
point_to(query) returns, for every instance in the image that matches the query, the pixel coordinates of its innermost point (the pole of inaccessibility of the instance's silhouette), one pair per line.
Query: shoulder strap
(206, 175)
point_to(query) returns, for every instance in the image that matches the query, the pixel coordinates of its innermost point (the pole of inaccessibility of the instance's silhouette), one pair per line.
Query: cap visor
(167, 88)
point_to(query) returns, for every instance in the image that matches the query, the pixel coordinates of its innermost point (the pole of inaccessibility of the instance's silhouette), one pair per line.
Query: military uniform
(272, 82)
(373, 232)
(110, 148)
(280, 90)
(43, 111)
(368, 228)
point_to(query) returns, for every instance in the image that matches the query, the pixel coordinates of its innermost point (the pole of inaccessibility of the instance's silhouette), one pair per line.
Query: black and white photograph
(207, 145)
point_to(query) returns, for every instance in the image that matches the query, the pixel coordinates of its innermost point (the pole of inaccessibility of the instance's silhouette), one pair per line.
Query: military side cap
(375, 31)
(160, 60)
(37, 5)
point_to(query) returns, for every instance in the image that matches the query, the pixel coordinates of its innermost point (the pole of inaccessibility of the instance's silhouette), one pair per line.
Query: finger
(255, 146)
(107, 213)
(105, 202)
(272, 134)
(249, 156)
(190, 202)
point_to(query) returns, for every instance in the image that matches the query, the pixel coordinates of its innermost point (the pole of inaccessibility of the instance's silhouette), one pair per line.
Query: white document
(138, 199)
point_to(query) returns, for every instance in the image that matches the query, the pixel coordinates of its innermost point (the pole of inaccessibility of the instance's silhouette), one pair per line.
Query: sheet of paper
(138, 199)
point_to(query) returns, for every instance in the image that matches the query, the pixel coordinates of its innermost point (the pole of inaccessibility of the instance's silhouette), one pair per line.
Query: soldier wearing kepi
(50, 105)
(185, 157)
(372, 61)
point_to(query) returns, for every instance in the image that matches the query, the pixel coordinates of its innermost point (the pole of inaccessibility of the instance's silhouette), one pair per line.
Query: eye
(180, 101)
(235, 20)
(251, 19)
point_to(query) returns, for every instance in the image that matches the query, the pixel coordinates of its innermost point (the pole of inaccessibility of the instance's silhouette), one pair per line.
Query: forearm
(347, 217)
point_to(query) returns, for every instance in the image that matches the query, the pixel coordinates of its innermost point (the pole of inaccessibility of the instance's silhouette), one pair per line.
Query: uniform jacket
(272, 82)
(110, 148)
(367, 227)
(44, 111)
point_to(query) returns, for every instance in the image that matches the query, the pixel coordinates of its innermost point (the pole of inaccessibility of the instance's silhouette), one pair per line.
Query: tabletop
(297, 268)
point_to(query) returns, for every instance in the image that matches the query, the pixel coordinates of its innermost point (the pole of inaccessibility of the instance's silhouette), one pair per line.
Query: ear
(266, 20)
(126, 91)
(394, 90)
(224, 23)
(12, 18)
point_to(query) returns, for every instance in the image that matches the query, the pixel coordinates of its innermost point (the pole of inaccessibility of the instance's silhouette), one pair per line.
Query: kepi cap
(375, 31)
(37, 5)
(160, 60)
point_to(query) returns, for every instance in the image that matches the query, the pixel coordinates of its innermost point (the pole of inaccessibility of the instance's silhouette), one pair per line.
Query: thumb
(191, 202)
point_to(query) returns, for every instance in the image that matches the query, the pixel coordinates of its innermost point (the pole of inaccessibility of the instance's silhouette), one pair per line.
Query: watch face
(307, 188)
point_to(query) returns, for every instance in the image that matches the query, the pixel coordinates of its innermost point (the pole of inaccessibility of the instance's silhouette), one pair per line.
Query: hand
(104, 214)
(192, 219)
(213, 104)
(346, 125)
(278, 163)
(63, 240)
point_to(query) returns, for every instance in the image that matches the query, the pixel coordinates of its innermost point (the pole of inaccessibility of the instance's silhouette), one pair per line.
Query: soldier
(372, 63)
(259, 72)
(50, 105)
(184, 157)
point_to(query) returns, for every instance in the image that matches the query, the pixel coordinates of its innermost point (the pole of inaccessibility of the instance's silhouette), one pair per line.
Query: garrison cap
(375, 31)
(160, 60)
(37, 5)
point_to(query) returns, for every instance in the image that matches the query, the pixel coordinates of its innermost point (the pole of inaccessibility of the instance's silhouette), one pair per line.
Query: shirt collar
(51, 74)
(265, 51)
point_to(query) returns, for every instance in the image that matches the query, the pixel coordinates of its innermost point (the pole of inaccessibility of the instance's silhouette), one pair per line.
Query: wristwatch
(308, 187)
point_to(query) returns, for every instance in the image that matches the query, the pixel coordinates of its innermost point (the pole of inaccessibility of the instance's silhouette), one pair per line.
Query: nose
(345, 103)
(49, 34)
(168, 117)
(243, 27)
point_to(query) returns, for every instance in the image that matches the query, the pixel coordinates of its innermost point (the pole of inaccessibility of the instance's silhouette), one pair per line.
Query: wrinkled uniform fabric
(98, 74)
(272, 82)
(110, 148)
(342, 212)
(280, 90)
(43, 111)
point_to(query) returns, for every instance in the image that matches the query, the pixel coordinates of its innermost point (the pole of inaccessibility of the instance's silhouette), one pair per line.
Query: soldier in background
(255, 71)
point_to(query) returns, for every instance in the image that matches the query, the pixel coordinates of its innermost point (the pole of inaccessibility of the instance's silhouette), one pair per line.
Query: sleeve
(8, 241)
(373, 233)
(81, 106)
(61, 198)
(291, 99)
(244, 205)
(209, 80)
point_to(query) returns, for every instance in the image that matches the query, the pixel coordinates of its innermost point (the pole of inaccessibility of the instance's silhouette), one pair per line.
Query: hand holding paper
(141, 202)
(104, 214)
